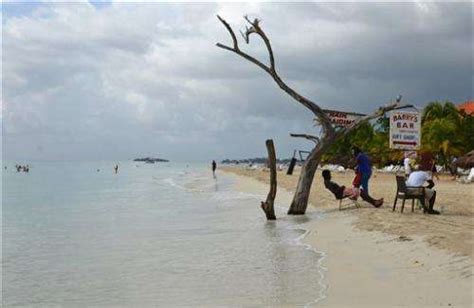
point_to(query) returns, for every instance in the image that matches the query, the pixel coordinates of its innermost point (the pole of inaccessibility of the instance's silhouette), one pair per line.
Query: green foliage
(445, 132)
(438, 110)
(365, 137)
(467, 131)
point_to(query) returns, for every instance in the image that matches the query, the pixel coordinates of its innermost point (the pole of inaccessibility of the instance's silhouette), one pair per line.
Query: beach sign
(341, 118)
(405, 130)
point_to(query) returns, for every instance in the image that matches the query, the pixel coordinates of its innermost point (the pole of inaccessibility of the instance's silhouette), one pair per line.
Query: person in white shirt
(415, 183)
(408, 162)
(407, 167)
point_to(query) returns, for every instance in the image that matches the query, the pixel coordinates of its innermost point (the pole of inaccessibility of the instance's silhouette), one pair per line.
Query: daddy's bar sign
(340, 118)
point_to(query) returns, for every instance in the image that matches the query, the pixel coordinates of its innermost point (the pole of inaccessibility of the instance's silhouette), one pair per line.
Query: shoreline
(371, 267)
(301, 240)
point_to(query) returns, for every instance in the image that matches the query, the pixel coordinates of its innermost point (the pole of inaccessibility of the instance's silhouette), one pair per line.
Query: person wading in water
(214, 167)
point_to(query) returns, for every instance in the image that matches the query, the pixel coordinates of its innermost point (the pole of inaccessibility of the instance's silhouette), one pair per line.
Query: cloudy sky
(86, 81)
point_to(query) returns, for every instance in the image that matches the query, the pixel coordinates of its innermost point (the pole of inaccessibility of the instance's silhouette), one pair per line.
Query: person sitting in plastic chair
(415, 183)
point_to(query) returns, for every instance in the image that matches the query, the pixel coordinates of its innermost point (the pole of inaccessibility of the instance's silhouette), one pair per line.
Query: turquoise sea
(165, 234)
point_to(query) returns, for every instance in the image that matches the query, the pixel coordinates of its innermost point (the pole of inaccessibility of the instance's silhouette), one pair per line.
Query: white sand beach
(372, 259)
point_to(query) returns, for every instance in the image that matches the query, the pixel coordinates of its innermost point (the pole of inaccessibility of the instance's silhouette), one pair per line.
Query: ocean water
(152, 235)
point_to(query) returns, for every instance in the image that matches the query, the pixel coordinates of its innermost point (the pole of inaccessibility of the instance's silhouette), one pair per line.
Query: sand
(380, 258)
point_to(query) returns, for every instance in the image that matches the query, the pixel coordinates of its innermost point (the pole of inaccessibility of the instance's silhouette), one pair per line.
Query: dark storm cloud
(123, 80)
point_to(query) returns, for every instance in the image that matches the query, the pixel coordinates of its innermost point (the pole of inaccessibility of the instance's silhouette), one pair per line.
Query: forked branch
(255, 28)
(231, 32)
(271, 69)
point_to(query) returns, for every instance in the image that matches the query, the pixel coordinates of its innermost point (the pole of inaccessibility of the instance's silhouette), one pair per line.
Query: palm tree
(442, 136)
(467, 131)
(438, 110)
(441, 127)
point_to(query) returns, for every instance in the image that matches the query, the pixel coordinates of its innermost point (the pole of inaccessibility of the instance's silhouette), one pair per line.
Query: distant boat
(151, 160)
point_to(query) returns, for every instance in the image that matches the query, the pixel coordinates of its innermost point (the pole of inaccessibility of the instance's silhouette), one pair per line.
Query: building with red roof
(467, 107)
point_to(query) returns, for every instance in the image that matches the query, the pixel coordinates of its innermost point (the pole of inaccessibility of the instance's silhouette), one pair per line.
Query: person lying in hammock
(341, 192)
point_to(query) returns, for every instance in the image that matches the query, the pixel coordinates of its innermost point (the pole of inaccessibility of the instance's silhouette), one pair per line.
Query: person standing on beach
(364, 167)
(408, 162)
(116, 169)
(214, 167)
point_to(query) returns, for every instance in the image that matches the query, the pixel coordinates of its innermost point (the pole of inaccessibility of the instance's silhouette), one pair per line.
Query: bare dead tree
(328, 134)
(267, 206)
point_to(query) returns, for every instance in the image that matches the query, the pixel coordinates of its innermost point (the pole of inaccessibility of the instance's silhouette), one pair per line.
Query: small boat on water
(151, 160)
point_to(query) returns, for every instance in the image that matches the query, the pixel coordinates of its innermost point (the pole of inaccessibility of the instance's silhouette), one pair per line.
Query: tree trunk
(300, 199)
(267, 206)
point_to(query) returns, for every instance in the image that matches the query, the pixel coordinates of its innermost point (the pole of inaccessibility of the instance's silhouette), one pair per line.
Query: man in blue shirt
(364, 167)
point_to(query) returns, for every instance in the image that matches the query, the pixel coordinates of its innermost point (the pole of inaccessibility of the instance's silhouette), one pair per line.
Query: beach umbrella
(465, 161)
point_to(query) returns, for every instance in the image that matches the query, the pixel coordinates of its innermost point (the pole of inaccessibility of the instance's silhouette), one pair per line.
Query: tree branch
(245, 56)
(271, 70)
(306, 136)
(257, 30)
(380, 112)
(231, 32)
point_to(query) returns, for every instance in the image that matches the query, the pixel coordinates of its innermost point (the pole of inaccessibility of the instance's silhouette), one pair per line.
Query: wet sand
(376, 257)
